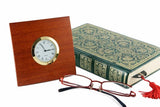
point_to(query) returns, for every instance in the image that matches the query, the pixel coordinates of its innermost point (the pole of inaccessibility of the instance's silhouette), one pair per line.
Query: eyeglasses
(107, 87)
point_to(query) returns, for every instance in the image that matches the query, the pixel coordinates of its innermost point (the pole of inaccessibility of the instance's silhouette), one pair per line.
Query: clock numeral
(44, 42)
(39, 56)
(48, 42)
(51, 45)
(37, 52)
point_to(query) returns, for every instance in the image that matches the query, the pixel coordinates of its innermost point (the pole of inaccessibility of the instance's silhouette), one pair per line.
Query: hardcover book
(113, 56)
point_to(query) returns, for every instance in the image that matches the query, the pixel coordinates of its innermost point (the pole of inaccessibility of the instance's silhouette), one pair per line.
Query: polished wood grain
(23, 36)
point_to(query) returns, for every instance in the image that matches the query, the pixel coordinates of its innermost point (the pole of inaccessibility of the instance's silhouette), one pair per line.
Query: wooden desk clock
(43, 50)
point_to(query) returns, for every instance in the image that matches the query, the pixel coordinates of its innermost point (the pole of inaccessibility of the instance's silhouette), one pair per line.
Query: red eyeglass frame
(132, 93)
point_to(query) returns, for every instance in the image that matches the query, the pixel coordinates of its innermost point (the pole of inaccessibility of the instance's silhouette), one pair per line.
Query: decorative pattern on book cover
(108, 54)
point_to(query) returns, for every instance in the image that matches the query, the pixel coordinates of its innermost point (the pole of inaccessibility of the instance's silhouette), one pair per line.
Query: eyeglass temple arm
(123, 105)
(68, 88)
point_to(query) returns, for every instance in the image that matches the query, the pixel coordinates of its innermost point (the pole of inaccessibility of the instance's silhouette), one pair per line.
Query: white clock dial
(45, 50)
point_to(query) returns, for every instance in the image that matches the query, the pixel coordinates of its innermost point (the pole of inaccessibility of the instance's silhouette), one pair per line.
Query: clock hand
(49, 49)
(43, 47)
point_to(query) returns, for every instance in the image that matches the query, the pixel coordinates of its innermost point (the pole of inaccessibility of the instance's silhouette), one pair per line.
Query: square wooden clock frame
(24, 34)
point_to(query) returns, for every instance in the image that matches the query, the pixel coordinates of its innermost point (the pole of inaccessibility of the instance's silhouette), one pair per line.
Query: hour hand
(49, 49)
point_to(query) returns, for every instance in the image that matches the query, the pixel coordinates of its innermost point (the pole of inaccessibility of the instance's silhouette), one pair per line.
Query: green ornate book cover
(113, 56)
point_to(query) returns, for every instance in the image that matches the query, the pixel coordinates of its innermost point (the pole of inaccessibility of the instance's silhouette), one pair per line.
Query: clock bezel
(56, 50)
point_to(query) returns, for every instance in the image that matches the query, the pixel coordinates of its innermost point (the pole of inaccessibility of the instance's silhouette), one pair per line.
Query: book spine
(99, 67)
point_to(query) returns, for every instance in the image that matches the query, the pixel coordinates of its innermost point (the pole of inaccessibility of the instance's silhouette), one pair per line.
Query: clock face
(45, 50)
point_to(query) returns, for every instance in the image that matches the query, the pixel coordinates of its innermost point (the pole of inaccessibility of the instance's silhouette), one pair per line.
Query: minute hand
(43, 47)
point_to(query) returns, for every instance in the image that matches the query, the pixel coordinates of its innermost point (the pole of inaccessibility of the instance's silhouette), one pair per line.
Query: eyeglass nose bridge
(91, 85)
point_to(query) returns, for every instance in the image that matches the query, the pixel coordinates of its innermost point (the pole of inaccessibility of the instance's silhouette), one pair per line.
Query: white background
(138, 19)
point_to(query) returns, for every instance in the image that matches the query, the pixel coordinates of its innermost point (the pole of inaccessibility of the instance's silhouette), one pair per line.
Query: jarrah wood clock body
(43, 50)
